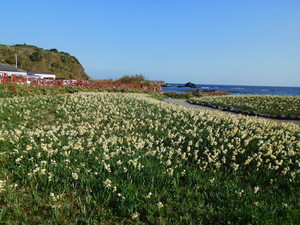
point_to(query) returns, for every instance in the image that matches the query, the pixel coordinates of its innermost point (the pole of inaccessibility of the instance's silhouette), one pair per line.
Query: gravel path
(183, 102)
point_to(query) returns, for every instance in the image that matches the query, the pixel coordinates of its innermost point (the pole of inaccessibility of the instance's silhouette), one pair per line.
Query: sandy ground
(183, 102)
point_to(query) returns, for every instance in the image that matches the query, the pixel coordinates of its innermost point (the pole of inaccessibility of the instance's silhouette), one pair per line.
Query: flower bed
(124, 158)
(277, 107)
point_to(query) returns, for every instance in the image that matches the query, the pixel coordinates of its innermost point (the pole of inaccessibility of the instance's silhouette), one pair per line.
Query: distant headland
(30, 57)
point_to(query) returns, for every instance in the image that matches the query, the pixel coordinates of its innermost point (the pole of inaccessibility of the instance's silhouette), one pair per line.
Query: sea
(236, 89)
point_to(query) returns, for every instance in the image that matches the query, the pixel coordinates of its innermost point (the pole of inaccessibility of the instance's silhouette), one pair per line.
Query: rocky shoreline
(188, 84)
(199, 91)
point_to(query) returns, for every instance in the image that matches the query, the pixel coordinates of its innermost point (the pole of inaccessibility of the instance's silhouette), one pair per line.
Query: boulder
(191, 85)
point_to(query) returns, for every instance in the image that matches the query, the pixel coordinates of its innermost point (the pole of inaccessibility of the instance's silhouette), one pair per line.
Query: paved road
(184, 103)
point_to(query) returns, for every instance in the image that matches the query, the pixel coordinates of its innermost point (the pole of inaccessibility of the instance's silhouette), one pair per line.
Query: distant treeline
(138, 78)
(133, 79)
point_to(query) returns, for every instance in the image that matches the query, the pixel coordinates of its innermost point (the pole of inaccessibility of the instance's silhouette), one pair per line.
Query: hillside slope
(34, 58)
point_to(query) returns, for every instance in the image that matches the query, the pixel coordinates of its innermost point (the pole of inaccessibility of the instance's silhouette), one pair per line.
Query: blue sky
(250, 42)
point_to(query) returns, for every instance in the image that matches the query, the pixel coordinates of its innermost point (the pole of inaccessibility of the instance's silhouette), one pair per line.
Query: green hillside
(34, 58)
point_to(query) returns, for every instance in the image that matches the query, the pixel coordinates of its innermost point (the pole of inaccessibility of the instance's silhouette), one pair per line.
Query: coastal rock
(191, 85)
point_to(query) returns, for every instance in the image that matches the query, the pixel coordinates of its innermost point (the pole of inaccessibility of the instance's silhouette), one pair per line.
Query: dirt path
(184, 103)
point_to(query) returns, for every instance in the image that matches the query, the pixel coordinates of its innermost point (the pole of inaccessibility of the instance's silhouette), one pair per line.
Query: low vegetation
(20, 90)
(132, 79)
(140, 78)
(114, 158)
(262, 104)
(193, 94)
(178, 95)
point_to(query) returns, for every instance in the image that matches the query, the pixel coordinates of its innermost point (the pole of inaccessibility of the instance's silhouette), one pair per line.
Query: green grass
(115, 158)
(262, 104)
(165, 95)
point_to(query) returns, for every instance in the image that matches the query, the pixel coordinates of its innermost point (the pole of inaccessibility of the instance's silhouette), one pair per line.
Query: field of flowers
(262, 104)
(113, 158)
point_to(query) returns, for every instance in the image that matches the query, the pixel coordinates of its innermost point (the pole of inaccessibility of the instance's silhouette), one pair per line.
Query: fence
(81, 83)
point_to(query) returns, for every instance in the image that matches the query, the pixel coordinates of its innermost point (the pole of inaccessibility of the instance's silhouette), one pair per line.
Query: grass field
(113, 158)
(262, 104)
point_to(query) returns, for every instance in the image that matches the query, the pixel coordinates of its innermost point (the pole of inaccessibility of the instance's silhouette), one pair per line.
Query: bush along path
(244, 112)
(274, 107)
(190, 104)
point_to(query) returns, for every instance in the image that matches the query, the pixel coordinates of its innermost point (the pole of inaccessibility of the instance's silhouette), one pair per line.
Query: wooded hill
(35, 58)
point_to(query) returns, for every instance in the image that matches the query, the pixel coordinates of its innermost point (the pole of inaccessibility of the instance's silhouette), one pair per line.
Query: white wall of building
(45, 76)
(8, 73)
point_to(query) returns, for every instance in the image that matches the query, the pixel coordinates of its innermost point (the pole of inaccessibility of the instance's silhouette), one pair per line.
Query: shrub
(53, 50)
(180, 95)
(36, 56)
(132, 79)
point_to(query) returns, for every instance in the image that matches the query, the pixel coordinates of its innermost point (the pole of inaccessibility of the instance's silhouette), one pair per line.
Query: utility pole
(16, 60)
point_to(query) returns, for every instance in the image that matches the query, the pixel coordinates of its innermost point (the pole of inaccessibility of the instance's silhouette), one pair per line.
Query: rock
(191, 85)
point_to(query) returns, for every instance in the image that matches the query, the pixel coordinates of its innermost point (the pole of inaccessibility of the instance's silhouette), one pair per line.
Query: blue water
(239, 89)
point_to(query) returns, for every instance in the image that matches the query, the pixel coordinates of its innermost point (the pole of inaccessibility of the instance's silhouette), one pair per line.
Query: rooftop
(9, 68)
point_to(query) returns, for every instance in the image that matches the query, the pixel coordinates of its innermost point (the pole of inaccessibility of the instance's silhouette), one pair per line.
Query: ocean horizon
(236, 89)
